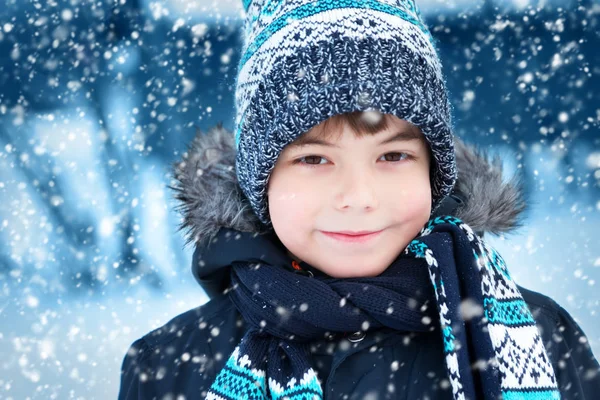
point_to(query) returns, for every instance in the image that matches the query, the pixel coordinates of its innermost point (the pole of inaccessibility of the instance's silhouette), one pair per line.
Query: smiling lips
(353, 237)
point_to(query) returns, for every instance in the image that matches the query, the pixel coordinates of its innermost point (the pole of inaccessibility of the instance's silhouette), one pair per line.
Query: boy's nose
(357, 191)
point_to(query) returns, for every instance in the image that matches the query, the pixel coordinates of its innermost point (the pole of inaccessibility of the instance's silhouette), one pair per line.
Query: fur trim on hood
(210, 197)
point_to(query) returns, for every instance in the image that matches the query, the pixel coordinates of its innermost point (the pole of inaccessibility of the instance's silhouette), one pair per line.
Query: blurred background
(99, 97)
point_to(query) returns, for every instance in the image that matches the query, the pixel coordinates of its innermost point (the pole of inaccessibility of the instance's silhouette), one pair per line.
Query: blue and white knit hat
(305, 61)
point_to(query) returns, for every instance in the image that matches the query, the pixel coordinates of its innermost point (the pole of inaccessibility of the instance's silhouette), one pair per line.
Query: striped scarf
(446, 264)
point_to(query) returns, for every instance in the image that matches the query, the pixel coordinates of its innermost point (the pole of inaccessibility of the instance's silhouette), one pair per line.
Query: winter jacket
(181, 359)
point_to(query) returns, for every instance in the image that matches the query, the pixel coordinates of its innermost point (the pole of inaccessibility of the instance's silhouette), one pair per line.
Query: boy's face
(351, 183)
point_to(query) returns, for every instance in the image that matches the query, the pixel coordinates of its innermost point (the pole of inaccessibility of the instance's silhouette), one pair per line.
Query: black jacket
(183, 357)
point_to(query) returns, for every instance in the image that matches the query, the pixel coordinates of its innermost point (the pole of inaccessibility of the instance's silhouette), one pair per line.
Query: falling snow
(97, 99)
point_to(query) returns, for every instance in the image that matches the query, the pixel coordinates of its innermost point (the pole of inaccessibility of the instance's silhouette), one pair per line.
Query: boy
(338, 263)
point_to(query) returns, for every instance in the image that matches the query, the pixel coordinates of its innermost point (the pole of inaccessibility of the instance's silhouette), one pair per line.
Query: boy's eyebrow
(402, 136)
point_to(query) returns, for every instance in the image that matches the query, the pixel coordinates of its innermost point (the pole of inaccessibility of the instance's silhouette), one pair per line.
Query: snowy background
(98, 98)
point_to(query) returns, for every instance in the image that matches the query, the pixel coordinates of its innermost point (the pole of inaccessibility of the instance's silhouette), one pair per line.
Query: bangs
(360, 122)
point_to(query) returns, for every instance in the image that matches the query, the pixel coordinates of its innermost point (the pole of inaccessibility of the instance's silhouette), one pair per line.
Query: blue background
(98, 99)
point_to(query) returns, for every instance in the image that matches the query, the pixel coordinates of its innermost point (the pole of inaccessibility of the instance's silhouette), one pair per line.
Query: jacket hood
(212, 203)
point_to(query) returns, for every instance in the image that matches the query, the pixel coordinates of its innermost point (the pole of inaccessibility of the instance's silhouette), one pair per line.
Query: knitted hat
(305, 61)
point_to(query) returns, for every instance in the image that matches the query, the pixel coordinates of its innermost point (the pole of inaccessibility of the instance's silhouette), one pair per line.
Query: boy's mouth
(353, 236)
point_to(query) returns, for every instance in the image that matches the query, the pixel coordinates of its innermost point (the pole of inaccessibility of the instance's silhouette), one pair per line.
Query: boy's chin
(352, 271)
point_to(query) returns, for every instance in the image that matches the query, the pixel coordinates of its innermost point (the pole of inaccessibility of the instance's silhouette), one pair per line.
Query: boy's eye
(395, 158)
(312, 160)
(390, 157)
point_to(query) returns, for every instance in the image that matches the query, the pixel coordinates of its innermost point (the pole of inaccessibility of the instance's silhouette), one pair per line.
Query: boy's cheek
(411, 202)
(291, 206)
(290, 188)
(410, 190)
